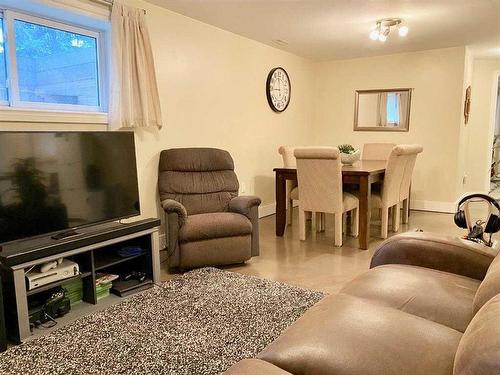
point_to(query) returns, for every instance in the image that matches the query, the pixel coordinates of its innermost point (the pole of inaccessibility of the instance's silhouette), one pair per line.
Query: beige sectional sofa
(429, 305)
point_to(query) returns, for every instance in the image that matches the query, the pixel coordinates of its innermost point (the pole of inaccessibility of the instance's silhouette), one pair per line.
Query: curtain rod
(109, 3)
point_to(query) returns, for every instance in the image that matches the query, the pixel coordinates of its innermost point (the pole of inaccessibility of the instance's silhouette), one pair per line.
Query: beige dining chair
(319, 173)
(292, 191)
(396, 185)
(404, 195)
(377, 151)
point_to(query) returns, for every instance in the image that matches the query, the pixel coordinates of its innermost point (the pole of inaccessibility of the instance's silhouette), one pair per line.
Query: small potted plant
(348, 155)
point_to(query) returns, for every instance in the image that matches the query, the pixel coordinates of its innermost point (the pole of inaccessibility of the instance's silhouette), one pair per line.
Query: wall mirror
(382, 110)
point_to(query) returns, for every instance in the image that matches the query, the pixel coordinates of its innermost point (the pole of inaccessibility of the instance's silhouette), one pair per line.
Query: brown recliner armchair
(207, 223)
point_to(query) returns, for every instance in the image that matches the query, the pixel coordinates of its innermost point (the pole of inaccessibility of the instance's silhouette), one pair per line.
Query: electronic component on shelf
(50, 265)
(129, 251)
(64, 270)
(134, 275)
(57, 305)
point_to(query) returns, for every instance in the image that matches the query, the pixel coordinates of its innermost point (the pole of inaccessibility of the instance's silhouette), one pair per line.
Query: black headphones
(493, 224)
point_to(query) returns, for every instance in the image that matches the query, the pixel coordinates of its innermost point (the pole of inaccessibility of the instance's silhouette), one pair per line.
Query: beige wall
(437, 79)
(212, 88)
(480, 129)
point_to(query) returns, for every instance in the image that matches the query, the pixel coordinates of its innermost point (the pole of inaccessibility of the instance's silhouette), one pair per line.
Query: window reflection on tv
(55, 181)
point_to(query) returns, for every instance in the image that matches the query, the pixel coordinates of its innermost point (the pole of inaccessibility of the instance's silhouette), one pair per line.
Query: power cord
(53, 322)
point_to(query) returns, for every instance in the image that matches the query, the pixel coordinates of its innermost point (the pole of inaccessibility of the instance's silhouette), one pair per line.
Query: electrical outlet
(464, 179)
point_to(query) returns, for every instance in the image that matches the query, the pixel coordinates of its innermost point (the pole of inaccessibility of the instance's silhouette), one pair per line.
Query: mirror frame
(381, 128)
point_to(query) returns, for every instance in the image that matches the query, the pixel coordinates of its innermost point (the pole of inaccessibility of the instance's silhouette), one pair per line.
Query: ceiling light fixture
(384, 26)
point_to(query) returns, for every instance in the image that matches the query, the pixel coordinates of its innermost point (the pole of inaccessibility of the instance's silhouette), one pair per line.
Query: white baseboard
(267, 210)
(420, 205)
(434, 206)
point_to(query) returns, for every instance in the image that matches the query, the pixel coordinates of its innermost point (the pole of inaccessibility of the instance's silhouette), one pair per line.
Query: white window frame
(14, 102)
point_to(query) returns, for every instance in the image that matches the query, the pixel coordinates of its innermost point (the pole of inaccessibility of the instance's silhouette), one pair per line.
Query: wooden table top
(362, 167)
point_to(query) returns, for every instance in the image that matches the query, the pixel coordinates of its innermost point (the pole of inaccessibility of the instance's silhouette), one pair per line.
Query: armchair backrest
(202, 179)
(319, 172)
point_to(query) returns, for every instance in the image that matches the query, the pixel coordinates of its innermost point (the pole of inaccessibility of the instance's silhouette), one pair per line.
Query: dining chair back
(286, 153)
(292, 192)
(404, 194)
(377, 151)
(319, 173)
(396, 185)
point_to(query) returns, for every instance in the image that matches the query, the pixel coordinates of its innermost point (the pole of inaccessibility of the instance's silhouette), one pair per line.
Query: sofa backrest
(202, 179)
(478, 352)
(490, 286)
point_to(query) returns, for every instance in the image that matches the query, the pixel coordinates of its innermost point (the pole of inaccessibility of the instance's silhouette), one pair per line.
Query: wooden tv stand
(93, 248)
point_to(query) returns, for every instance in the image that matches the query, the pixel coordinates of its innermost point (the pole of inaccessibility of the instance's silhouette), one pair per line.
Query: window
(393, 109)
(49, 65)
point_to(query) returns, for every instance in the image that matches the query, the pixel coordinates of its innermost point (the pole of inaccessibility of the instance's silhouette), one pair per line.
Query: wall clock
(278, 89)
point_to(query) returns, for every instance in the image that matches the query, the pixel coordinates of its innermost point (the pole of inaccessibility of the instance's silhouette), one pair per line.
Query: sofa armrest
(439, 252)
(170, 206)
(249, 206)
(255, 367)
(243, 204)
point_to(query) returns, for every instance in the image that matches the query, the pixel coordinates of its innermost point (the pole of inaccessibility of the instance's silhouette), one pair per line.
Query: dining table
(363, 173)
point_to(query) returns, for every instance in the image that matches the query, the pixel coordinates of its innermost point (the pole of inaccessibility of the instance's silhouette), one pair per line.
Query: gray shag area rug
(201, 323)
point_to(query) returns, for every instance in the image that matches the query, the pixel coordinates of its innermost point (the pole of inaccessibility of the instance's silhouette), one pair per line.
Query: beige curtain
(382, 109)
(134, 100)
(402, 107)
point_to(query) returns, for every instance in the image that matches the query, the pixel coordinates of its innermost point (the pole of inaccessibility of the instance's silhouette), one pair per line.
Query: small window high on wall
(49, 65)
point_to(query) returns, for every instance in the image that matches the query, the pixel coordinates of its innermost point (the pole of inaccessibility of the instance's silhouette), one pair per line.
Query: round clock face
(278, 89)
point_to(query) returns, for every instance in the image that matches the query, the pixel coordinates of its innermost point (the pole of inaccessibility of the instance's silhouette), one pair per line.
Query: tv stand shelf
(95, 251)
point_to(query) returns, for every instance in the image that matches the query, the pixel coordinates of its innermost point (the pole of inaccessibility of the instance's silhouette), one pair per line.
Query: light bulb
(382, 37)
(374, 35)
(403, 30)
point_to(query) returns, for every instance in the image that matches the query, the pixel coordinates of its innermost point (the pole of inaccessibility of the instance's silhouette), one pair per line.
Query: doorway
(495, 160)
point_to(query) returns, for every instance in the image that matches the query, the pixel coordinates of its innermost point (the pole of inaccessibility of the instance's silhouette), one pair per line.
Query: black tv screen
(55, 181)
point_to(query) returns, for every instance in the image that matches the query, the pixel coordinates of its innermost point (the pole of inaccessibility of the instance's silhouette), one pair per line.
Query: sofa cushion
(439, 296)
(254, 367)
(490, 286)
(214, 225)
(479, 350)
(346, 335)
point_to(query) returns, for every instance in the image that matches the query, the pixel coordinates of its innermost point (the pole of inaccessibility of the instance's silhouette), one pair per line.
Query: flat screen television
(55, 181)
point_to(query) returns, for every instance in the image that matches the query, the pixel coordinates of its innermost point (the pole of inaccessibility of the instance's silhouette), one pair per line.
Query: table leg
(280, 204)
(364, 211)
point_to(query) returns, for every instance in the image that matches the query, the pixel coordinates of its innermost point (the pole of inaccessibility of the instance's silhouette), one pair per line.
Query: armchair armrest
(248, 205)
(176, 216)
(243, 204)
(430, 250)
(170, 206)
